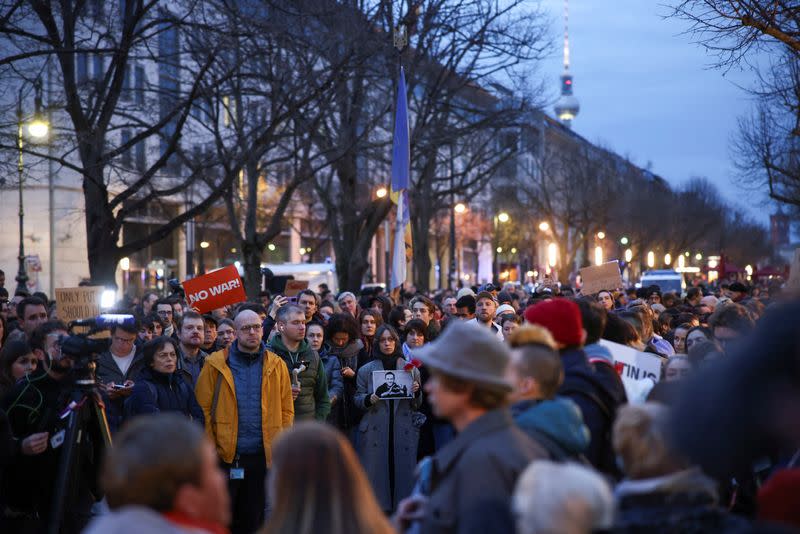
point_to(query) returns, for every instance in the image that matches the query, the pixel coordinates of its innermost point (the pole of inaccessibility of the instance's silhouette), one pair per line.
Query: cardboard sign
(293, 287)
(393, 384)
(75, 303)
(215, 290)
(634, 367)
(599, 277)
(793, 283)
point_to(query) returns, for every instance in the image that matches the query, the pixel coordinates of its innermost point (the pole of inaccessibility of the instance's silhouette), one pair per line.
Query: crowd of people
(487, 409)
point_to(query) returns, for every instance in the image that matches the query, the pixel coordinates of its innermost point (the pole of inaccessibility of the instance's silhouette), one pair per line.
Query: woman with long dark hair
(389, 431)
(343, 341)
(369, 321)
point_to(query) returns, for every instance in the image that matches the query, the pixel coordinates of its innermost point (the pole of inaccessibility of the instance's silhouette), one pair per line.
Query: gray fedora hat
(468, 351)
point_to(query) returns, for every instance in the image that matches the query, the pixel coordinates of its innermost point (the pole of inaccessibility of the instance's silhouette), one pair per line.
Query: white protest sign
(634, 367)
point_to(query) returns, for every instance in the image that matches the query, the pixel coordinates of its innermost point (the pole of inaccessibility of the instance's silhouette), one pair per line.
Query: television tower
(567, 106)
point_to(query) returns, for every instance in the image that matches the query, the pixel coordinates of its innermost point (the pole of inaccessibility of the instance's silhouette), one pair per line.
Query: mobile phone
(292, 300)
(119, 386)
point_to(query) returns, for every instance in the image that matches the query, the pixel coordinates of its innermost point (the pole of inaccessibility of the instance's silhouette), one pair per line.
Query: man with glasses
(164, 310)
(118, 367)
(246, 396)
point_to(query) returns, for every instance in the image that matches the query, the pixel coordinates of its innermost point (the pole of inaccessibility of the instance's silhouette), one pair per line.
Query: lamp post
(37, 128)
(501, 217)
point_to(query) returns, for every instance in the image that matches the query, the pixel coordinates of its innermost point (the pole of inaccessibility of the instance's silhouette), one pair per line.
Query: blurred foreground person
(162, 476)
(318, 486)
(565, 498)
(469, 486)
(750, 398)
(661, 491)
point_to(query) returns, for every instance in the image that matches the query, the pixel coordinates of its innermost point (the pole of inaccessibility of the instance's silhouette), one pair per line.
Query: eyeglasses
(250, 328)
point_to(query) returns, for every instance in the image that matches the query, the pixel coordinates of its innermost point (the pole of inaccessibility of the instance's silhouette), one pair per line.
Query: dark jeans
(248, 495)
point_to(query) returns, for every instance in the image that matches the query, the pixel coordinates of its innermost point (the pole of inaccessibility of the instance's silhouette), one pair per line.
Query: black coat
(598, 394)
(156, 392)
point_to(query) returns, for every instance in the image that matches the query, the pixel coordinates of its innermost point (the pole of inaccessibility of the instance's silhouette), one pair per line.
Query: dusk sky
(648, 92)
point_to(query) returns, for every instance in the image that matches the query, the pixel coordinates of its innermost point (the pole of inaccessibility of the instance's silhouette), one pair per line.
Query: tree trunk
(422, 257)
(101, 243)
(252, 255)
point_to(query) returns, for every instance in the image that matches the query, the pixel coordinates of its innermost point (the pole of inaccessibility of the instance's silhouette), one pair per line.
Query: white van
(667, 279)
(314, 273)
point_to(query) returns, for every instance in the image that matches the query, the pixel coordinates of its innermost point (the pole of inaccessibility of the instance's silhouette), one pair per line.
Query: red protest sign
(215, 290)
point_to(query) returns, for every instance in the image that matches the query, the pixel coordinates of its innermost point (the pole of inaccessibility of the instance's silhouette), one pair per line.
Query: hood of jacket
(558, 419)
(276, 345)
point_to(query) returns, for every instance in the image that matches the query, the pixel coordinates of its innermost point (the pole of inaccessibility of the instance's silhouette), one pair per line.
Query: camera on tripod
(83, 349)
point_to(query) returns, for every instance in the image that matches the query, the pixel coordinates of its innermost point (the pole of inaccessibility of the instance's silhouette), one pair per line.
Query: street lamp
(598, 255)
(601, 235)
(628, 255)
(501, 217)
(624, 240)
(667, 258)
(37, 128)
(460, 208)
(651, 259)
(381, 193)
(544, 226)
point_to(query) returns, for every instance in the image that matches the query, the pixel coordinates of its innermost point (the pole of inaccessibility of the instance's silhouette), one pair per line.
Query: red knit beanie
(561, 317)
(779, 498)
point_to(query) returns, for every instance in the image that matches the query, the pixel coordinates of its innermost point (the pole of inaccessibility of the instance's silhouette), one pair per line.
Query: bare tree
(260, 119)
(570, 186)
(103, 58)
(464, 124)
(766, 147)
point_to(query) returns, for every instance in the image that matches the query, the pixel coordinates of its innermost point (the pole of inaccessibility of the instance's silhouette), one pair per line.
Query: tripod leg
(64, 473)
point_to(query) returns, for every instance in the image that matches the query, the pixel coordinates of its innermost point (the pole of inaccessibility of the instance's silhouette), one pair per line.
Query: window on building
(82, 67)
(140, 82)
(127, 83)
(99, 71)
(141, 156)
(125, 159)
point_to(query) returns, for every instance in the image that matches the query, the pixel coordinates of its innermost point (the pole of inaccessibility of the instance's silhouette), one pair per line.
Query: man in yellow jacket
(246, 396)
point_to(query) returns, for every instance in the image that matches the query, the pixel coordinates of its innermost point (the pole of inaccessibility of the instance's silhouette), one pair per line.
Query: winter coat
(313, 401)
(190, 370)
(473, 477)
(156, 392)
(373, 439)
(277, 407)
(555, 424)
(598, 395)
(333, 372)
(108, 372)
(345, 415)
(684, 502)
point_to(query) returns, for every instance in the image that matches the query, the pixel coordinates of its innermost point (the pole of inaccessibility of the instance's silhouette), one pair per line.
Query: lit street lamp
(37, 128)
(501, 217)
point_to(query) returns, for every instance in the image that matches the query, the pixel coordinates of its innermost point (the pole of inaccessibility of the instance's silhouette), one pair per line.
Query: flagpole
(398, 273)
